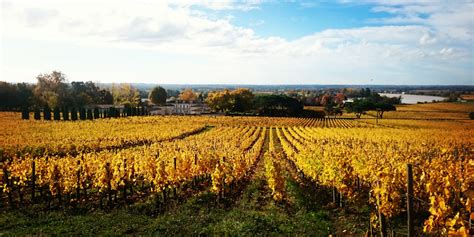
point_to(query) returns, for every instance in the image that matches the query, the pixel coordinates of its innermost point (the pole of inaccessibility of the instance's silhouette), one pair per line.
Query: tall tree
(125, 94)
(7, 96)
(220, 100)
(52, 89)
(278, 105)
(158, 95)
(243, 99)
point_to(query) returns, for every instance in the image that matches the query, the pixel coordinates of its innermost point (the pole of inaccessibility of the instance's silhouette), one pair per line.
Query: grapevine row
(341, 158)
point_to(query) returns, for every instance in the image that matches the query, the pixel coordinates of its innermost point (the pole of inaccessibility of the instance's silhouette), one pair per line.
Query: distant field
(438, 107)
(419, 111)
(468, 97)
(417, 124)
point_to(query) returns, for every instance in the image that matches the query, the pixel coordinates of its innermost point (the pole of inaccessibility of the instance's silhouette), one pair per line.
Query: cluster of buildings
(178, 107)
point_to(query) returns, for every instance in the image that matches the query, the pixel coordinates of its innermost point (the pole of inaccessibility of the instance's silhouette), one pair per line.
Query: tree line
(53, 93)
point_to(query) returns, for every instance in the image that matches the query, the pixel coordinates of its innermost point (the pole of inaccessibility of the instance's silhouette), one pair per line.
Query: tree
(82, 114)
(46, 113)
(384, 106)
(125, 94)
(73, 114)
(79, 94)
(105, 97)
(51, 89)
(96, 113)
(333, 105)
(25, 113)
(7, 96)
(65, 111)
(37, 114)
(56, 114)
(243, 99)
(278, 105)
(187, 96)
(339, 98)
(87, 93)
(220, 100)
(15, 96)
(373, 102)
(239, 100)
(172, 93)
(158, 95)
(89, 114)
(359, 107)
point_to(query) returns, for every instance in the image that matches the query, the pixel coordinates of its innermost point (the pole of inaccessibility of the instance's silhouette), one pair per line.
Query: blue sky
(240, 42)
(292, 20)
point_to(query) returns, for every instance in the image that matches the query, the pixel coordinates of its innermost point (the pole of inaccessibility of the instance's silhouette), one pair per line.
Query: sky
(396, 42)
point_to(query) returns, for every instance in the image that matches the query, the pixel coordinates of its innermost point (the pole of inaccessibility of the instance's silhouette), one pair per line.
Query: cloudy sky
(240, 42)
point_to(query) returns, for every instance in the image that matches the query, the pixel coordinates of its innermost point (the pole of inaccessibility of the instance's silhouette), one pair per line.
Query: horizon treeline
(53, 90)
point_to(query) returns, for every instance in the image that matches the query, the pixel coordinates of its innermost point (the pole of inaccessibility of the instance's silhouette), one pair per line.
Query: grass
(199, 215)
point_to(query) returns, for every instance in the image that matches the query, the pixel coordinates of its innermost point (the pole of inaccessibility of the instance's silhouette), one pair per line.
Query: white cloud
(238, 55)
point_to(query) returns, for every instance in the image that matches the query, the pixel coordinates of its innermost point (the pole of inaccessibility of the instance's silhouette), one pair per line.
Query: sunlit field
(210, 173)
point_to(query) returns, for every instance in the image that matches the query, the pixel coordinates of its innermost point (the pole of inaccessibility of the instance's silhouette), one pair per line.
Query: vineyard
(296, 174)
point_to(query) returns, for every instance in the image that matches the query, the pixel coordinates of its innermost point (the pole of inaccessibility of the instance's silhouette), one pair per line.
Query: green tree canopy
(278, 105)
(158, 95)
(373, 102)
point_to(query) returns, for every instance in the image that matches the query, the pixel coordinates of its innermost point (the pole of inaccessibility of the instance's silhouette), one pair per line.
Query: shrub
(96, 113)
(56, 114)
(37, 114)
(73, 114)
(65, 113)
(89, 114)
(46, 113)
(82, 114)
(25, 113)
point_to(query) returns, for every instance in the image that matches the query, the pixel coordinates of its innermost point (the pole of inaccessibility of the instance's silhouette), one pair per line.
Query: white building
(180, 109)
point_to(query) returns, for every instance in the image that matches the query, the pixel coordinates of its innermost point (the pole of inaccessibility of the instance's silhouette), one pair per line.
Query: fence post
(410, 199)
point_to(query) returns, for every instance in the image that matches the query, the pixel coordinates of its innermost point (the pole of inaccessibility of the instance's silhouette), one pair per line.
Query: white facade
(180, 109)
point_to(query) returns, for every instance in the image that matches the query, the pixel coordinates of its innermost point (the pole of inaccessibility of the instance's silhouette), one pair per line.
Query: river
(413, 99)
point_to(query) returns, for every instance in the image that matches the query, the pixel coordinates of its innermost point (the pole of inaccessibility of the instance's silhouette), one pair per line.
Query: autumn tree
(220, 100)
(339, 98)
(158, 95)
(125, 94)
(187, 95)
(51, 89)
